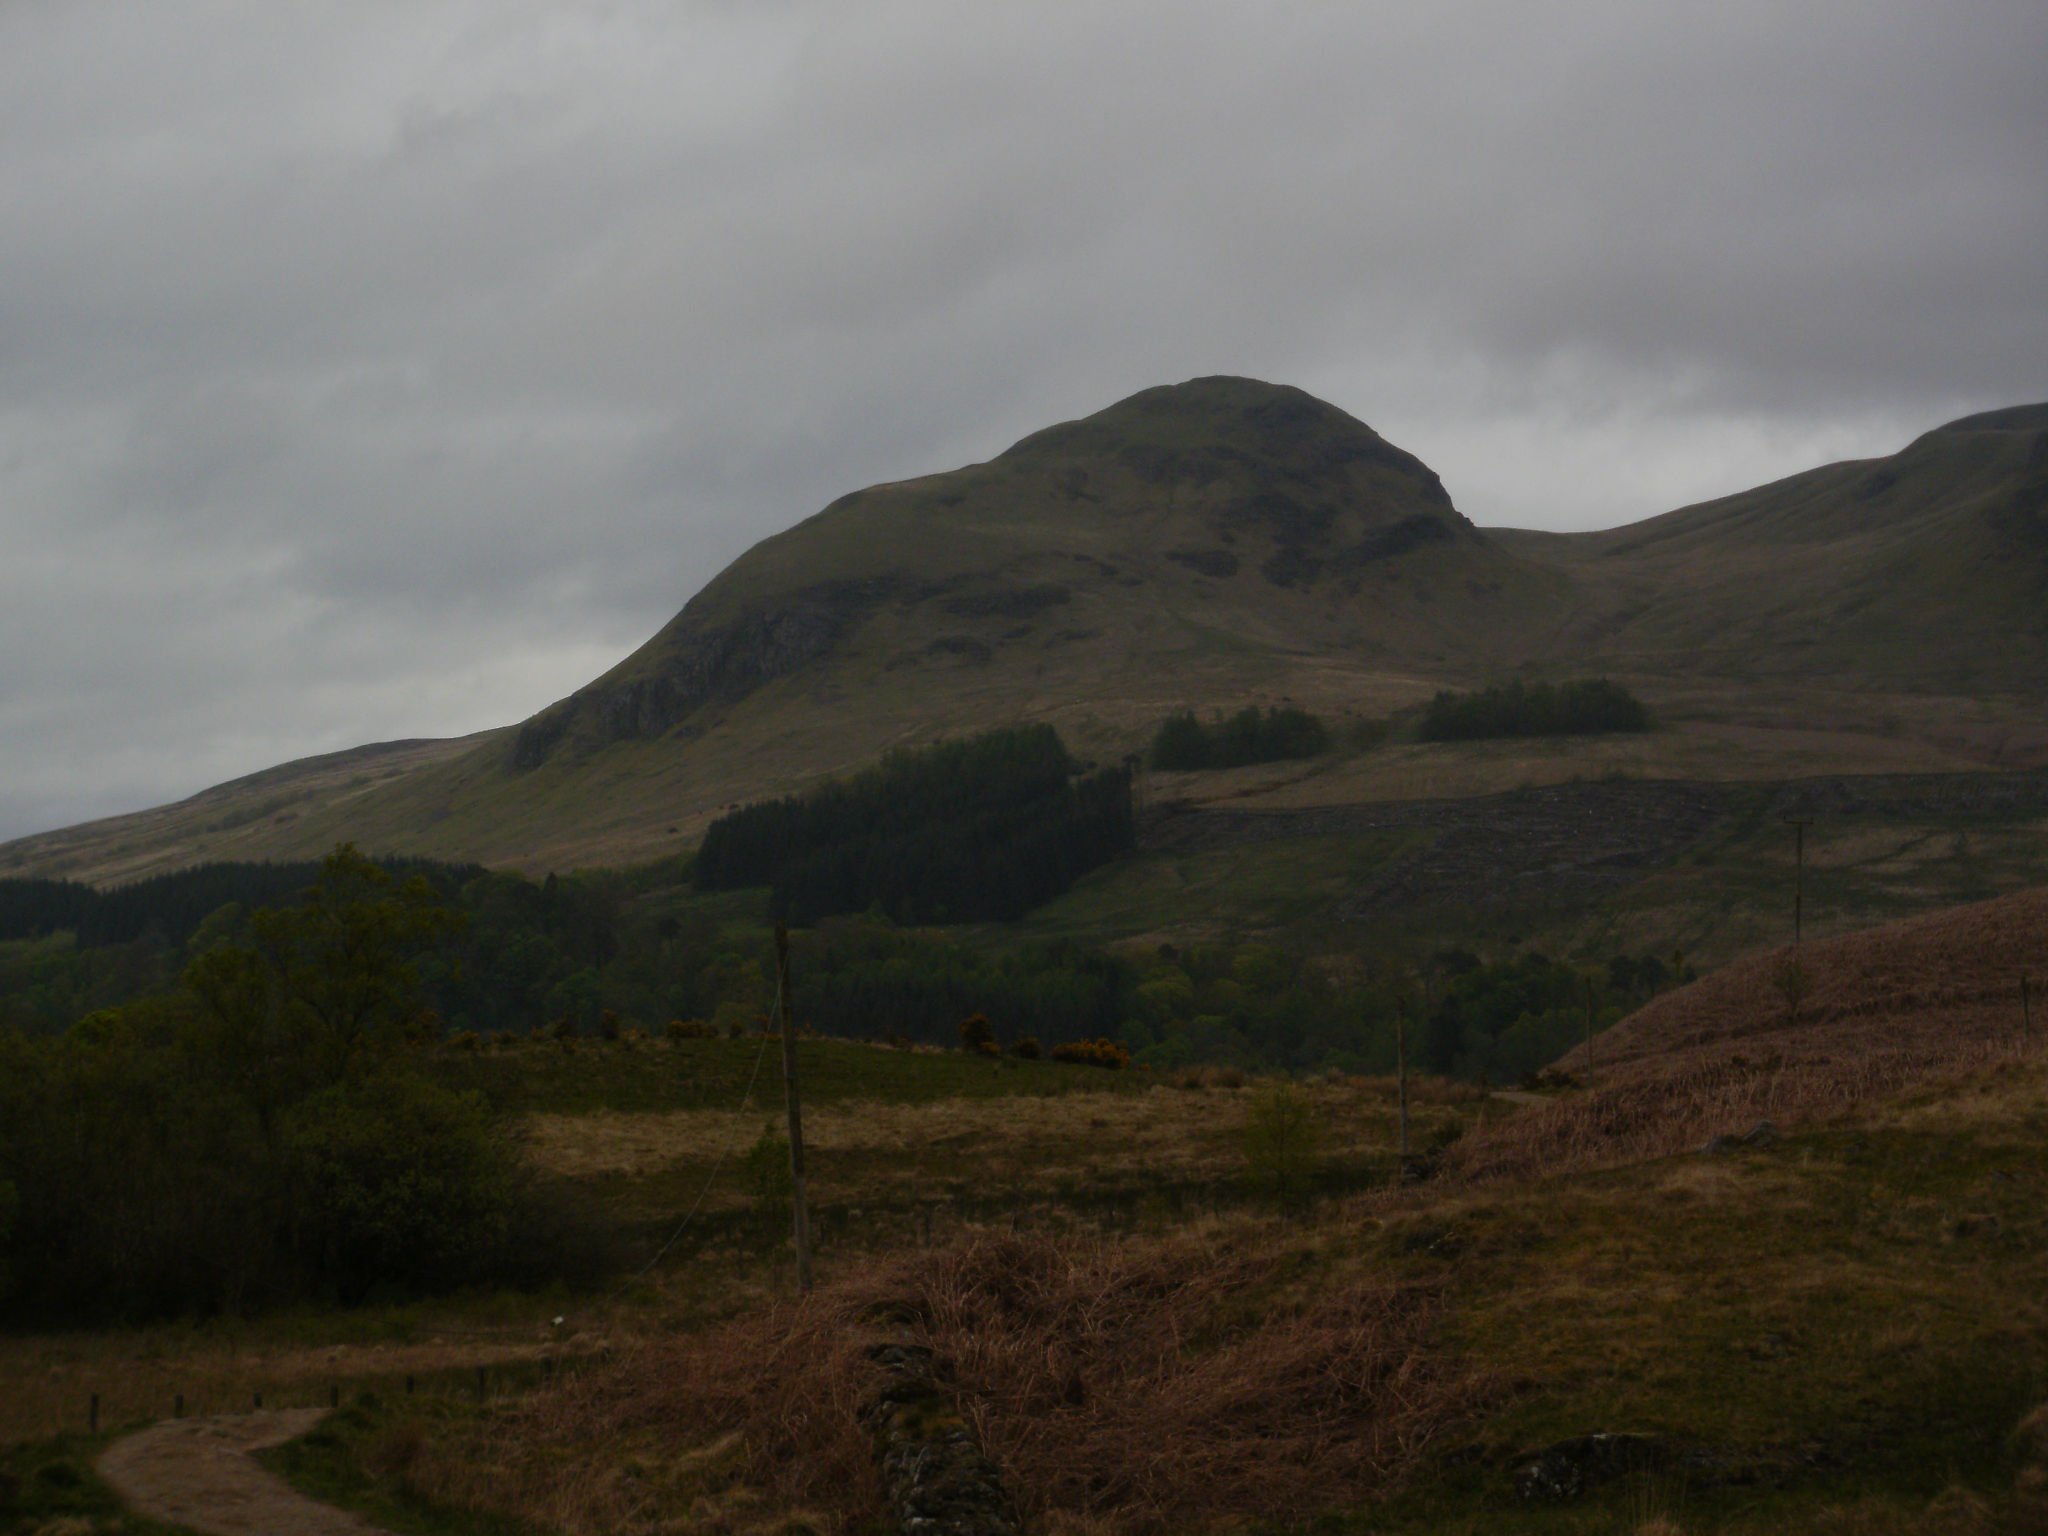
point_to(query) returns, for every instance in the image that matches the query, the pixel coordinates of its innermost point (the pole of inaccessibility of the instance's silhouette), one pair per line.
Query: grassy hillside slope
(255, 817)
(1220, 542)
(1926, 571)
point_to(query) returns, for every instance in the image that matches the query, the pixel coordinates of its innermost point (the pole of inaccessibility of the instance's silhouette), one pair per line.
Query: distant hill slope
(254, 817)
(1210, 544)
(1927, 570)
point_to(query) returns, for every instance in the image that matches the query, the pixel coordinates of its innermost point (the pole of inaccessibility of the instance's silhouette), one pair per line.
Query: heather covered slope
(1793, 1036)
(1940, 983)
(1841, 1329)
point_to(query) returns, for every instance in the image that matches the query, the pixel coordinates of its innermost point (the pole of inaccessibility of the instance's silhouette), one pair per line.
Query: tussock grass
(1852, 1321)
(1136, 1387)
(1144, 1154)
(1869, 1293)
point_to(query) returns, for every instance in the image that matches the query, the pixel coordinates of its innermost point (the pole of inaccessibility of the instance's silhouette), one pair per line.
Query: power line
(716, 1168)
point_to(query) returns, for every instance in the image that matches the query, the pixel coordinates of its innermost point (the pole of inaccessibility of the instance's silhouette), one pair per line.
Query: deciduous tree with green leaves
(324, 990)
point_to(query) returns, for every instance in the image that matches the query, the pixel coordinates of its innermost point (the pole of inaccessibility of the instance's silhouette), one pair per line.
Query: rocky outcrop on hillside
(939, 1483)
(702, 664)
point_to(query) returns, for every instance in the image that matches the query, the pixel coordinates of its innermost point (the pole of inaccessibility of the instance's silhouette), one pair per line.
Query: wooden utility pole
(1798, 873)
(2026, 1016)
(1589, 1026)
(1401, 1071)
(800, 1212)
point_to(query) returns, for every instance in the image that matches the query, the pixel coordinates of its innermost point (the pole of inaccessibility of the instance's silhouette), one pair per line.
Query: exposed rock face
(938, 1481)
(701, 665)
(1569, 1468)
(1007, 602)
(1761, 1135)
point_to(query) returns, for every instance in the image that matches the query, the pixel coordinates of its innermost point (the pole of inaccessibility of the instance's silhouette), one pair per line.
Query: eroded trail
(199, 1473)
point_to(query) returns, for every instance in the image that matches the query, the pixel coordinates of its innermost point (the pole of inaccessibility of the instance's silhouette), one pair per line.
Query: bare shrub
(1196, 1078)
(1283, 1141)
(1092, 1053)
(976, 1033)
(1790, 981)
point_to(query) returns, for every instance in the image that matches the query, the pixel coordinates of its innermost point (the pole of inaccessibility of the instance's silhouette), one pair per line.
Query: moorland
(1274, 1105)
(1788, 1249)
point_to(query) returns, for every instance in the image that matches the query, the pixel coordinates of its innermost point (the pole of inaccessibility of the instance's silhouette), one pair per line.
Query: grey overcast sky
(372, 370)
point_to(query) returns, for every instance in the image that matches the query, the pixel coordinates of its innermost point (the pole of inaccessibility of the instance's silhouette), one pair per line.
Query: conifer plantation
(979, 830)
(1586, 707)
(1249, 736)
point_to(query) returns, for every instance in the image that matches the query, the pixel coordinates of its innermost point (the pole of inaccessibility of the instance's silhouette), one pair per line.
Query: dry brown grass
(1244, 1369)
(1194, 1079)
(865, 1152)
(1951, 972)
(1169, 1385)
(140, 1374)
(1153, 1126)
(1925, 1000)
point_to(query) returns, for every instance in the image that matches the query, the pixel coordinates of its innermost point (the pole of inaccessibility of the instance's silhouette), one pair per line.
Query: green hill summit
(1220, 497)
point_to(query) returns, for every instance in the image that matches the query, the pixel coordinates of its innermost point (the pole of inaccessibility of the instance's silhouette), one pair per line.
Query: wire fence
(120, 1406)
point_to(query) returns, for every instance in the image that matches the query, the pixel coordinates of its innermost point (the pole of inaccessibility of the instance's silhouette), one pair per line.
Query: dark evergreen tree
(976, 830)
(1249, 736)
(1587, 707)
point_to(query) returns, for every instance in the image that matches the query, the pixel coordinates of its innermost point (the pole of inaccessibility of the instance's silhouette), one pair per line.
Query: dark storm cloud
(377, 370)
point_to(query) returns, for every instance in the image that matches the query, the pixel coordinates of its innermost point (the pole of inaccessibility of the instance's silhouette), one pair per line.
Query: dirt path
(198, 1473)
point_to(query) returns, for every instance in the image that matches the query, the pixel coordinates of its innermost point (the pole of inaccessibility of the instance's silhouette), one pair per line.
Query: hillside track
(200, 1473)
(1577, 838)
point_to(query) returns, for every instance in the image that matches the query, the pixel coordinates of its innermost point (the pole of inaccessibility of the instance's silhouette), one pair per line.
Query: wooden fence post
(799, 1207)
(1401, 1073)
(1589, 1027)
(1799, 827)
